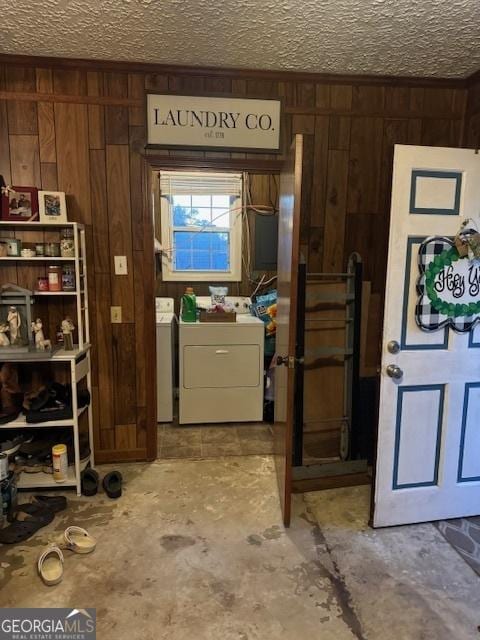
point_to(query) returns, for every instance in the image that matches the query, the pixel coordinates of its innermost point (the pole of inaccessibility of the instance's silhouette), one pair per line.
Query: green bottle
(189, 306)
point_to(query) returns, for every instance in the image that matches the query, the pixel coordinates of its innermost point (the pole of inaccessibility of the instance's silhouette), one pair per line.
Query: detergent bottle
(189, 306)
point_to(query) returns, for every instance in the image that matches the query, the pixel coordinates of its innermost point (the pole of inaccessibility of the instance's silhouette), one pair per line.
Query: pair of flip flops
(28, 518)
(51, 560)
(112, 483)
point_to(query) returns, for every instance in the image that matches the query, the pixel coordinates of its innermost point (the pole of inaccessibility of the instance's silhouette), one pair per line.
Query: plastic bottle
(59, 462)
(189, 306)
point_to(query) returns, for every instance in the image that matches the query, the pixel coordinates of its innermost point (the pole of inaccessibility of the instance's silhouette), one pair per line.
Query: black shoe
(112, 484)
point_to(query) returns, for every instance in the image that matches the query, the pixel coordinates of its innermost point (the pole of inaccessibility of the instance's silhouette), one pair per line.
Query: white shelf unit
(78, 361)
(79, 262)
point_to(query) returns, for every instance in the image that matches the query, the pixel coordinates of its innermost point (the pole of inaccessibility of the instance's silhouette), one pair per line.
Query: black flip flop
(54, 503)
(112, 484)
(90, 481)
(21, 530)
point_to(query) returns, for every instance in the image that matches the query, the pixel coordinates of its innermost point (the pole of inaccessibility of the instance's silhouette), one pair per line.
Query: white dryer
(221, 367)
(166, 323)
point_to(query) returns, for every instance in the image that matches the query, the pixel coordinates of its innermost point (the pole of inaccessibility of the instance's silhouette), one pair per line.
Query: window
(201, 226)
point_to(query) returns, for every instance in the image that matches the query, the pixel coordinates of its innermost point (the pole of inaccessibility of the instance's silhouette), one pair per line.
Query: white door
(428, 450)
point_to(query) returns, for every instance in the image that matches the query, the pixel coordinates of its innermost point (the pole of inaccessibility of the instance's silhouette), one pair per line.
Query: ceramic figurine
(14, 323)
(4, 341)
(40, 343)
(67, 328)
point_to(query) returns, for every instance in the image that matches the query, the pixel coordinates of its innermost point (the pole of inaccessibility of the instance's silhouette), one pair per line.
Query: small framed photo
(53, 207)
(19, 204)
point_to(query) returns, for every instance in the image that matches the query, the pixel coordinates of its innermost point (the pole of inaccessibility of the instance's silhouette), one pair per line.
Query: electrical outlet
(121, 265)
(116, 315)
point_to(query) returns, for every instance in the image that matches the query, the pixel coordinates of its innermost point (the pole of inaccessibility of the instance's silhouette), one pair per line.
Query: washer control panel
(164, 305)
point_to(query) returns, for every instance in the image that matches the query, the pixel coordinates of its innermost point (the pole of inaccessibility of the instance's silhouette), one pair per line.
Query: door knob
(394, 372)
(393, 346)
(289, 361)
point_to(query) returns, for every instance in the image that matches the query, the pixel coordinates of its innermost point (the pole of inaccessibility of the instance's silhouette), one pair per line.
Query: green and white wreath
(448, 287)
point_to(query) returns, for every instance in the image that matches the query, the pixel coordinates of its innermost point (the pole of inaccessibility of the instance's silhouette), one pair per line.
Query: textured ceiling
(394, 37)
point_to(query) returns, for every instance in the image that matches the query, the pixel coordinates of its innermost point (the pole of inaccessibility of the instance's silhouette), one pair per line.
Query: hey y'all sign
(449, 287)
(229, 123)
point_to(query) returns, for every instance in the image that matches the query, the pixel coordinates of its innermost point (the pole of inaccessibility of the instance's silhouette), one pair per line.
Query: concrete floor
(195, 550)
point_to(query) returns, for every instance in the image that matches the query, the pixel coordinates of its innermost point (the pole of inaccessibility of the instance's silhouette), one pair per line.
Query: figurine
(4, 341)
(14, 323)
(40, 343)
(67, 328)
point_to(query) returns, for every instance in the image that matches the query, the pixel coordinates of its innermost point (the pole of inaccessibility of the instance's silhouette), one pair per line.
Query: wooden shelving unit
(76, 362)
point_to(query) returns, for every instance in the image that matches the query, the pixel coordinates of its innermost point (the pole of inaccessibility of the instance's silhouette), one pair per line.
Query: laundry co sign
(230, 123)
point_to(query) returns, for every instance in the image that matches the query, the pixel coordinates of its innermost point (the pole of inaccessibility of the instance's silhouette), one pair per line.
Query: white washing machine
(221, 367)
(166, 323)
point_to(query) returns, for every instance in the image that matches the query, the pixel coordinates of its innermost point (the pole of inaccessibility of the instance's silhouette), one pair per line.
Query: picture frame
(19, 204)
(52, 207)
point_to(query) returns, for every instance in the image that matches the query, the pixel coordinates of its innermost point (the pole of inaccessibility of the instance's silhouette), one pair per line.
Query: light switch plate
(116, 315)
(121, 265)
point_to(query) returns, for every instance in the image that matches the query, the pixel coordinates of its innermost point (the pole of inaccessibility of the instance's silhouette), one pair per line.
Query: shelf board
(59, 356)
(21, 422)
(56, 293)
(43, 480)
(35, 259)
(39, 225)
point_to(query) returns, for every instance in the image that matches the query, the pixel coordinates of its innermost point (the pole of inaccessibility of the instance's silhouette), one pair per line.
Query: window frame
(169, 273)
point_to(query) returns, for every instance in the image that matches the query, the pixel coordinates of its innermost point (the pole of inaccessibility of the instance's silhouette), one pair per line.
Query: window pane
(183, 201)
(182, 216)
(220, 261)
(201, 260)
(201, 241)
(220, 217)
(201, 201)
(221, 201)
(182, 240)
(201, 251)
(183, 260)
(201, 217)
(220, 241)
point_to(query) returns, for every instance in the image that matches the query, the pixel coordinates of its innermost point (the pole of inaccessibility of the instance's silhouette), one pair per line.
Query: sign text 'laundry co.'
(191, 121)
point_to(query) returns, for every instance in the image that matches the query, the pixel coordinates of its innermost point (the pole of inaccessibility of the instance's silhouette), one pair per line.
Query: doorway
(204, 435)
(264, 437)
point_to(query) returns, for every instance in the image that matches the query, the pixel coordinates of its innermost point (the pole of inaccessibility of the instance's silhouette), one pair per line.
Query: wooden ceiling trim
(130, 67)
(77, 99)
(139, 103)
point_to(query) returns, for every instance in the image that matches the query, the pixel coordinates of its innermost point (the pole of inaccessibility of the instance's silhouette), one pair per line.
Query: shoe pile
(38, 399)
(35, 455)
(26, 519)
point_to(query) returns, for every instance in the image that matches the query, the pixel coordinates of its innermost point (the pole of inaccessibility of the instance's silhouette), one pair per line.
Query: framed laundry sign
(213, 122)
(448, 286)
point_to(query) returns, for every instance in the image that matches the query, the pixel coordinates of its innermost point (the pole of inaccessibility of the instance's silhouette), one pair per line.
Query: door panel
(287, 287)
(428, 444)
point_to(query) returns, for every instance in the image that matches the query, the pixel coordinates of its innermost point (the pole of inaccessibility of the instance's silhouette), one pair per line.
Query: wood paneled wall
(472, 117)
(81, 129)
(87, 145)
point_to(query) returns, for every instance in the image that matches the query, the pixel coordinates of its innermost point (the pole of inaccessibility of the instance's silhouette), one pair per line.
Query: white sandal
(50, 565)
(79, 540)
